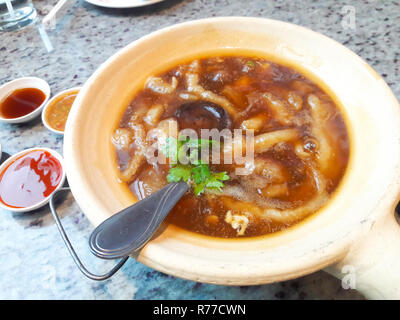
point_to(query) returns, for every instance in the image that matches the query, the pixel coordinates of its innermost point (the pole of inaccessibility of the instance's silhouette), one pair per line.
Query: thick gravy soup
(278, 151)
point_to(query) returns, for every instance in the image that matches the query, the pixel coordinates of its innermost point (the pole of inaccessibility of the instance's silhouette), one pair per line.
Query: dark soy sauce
(21, 102)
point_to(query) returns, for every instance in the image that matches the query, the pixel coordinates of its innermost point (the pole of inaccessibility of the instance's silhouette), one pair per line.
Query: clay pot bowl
(355, 233)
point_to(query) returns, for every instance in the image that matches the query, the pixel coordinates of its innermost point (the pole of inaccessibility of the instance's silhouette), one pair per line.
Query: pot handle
(372, 266)
(71, 250)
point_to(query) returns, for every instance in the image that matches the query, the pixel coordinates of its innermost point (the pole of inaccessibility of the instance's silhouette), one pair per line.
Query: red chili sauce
(29, 179)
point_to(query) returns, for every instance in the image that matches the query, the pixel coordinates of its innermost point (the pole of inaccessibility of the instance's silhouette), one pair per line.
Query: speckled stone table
(34, 264)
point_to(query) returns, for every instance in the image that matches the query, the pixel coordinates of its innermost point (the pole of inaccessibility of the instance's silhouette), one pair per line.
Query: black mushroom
(200, 114)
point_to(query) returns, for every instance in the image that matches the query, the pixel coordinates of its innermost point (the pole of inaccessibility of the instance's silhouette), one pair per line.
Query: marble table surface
(34, 264)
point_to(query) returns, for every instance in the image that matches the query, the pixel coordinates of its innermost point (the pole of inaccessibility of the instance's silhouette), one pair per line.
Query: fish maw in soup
(301, 144)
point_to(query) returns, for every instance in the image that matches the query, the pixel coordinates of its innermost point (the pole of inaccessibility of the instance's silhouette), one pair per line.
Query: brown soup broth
(291, 180)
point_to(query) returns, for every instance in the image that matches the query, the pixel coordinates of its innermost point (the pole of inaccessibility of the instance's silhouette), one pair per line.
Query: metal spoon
(131, 228)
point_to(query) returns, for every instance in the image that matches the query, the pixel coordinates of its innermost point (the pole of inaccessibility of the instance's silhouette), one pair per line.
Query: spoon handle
(131, 228)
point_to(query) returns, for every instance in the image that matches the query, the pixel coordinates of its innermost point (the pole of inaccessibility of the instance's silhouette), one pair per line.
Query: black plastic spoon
(130, 229)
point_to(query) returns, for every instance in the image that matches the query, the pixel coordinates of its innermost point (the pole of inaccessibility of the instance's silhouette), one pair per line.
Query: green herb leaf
(251, 64)
(215, 182)
(198, 189)
(179, 173)
(196, 172)
(201, 173)
(221, 176)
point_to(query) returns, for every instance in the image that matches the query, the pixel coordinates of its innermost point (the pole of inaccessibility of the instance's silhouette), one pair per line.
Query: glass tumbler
(16, 14)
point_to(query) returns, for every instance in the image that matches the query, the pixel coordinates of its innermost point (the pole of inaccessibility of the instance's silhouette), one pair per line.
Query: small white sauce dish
(49, 103)
(21, 83)
(43, 202)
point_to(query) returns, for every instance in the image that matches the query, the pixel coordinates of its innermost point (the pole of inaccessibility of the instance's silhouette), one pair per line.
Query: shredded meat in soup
(300, 146)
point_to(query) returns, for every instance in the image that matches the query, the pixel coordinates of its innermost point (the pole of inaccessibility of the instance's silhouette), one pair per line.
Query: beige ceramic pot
(355, 235)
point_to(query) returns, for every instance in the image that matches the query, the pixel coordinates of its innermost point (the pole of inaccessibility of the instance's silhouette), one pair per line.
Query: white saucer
(122, 3)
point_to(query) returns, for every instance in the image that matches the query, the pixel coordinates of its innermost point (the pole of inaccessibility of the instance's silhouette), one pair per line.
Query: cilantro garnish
(251, 64)
(179, 173)
(196, 173)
